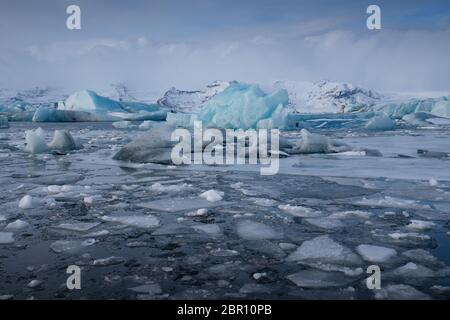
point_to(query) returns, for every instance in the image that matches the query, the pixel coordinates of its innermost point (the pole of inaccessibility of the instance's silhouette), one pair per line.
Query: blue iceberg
(242, 106)
(87, 105)
(439, 107)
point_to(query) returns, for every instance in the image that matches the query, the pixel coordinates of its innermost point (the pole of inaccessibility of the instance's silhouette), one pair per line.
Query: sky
(152, 45)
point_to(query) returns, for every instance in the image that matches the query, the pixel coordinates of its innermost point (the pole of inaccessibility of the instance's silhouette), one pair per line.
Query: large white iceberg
(241, 106)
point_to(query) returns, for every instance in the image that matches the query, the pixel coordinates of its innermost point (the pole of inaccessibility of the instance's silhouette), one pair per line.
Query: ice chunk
(250, 230)
(212, 195)
(110, 261)
(6, 237)
(170, 188)
(71, 246)
(63, 140)
(421, 255)
(299, 211)
(326, 250)
(326, 223)
(319, 279)
(123, 125)
(78, 226)
(154, 146)
(421, 225)
(35, 283)
(400, 292)
(147, 221)
(433, 182)
(35, 142)
(150, 289)
(392, 202)
(411, 270)
(4, 122)
(179, 204)
(241, 106)
(316, 143)
(211, 229)
(28, 202)
(351, 214)
(17, 225)
(373, 253)
(380, 123)
(145, 125)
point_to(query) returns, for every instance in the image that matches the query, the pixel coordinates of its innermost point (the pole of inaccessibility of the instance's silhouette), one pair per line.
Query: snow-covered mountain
(324, 96)
(191, 101)
(304, 97)
(20, 105)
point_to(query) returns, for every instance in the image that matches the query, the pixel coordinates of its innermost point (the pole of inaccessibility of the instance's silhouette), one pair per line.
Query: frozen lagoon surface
(144, 232)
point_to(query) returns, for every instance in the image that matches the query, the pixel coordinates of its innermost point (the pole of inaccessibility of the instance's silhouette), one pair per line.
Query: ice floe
(319, 279)
(421, 225)
(373, 253)
(251, 230)
(145, 222)
(71, 246)
(325, 250)
(17, 225)
(6, 237)
(299, 211)
(400, 292)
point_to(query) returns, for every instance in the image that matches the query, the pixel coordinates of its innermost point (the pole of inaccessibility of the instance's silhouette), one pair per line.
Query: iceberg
(87, 105)
(63, 140)
(316, 143)
(35, 141)
(380, 123)
(155, 146)
(439, 107)
(241, 106)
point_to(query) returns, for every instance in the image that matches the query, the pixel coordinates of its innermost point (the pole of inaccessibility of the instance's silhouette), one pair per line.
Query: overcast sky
(153, 45)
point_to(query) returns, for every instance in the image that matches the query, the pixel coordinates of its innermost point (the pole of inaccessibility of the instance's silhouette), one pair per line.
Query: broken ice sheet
(77, 226)
(251, 230)
(71, 246)
(180, 204)
(145, 222)
(373, 253)
(211, 229)
(6, 237)
(299, 211)
(319, 279)
(392, 202)
(326, 250)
